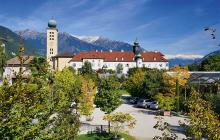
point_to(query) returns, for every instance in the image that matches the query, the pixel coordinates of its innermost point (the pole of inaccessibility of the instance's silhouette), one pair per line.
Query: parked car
(143, 103)
(154, 105)
(134, 100)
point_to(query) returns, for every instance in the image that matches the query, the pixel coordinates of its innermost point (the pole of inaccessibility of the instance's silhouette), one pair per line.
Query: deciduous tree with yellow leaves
(177, 73)
(119, 122)
(176, 78)
(88, 91)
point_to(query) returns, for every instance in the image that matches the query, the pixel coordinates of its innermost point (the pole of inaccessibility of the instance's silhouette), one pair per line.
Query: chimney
(96, 50)
(122, 50)
(101, 50)
(110, 50)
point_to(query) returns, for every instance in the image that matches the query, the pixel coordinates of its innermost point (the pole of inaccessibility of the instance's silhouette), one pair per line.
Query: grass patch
(102, 136)
(123, 92)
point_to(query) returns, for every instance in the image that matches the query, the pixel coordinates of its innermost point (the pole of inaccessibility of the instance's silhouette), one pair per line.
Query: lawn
(101, 136)
(123, 92)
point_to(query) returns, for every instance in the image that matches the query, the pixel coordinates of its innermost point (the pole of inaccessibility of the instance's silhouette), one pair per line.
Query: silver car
(143, 103)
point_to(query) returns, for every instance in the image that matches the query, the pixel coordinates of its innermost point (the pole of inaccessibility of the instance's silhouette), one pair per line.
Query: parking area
(145, 121)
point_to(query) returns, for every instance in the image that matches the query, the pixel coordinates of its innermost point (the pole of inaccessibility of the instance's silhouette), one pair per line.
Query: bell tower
(52, 41)
(137, 54)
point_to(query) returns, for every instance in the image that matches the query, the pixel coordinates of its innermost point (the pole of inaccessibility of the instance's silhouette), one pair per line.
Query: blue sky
(170, 26)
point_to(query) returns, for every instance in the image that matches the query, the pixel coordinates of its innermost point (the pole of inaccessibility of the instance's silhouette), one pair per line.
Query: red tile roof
(119, 56)
(64, 55)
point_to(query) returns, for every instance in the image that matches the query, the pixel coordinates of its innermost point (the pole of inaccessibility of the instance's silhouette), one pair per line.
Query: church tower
(137, 54)
(52, 41)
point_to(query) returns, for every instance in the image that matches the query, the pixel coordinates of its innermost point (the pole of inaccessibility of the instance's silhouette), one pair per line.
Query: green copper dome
(52, 23)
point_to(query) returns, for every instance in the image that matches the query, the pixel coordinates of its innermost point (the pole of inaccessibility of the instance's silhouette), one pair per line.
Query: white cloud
(183, 56)
(199, 42)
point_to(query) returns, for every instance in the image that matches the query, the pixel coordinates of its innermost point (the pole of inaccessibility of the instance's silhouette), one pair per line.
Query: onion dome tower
(137, 53)
(52, 41)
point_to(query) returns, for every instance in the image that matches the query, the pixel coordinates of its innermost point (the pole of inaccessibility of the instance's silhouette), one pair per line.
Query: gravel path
(145, 121)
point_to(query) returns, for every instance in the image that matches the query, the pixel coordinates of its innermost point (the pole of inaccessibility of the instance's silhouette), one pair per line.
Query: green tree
(108, 97)
(39, 66)
(153, 82)
(2, 60)
(21, 104)
(86, 68)
(87, 72)
(166, 101)
(144, 83)
(119, 68)
(33, 109)
(194, 67)
(134, 83)
(66, 91)
(202, 122)
(212, 63)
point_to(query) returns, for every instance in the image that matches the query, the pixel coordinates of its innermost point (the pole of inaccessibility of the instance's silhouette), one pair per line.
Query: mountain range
(71, 43)
(35, 43)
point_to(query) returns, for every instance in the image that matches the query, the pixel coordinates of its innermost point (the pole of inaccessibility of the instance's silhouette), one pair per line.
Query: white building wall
(11, 71)
(96, 63)
(99, 63)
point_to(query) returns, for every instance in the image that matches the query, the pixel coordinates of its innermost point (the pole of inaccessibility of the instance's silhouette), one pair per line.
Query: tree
(153, 82)
(2, 60)
(194, 67)
(134, 83)
(202, 122)
(25, 109)
(119, 68)
(39, 66)
(108, 97)
(212, 63)
(86, 68)
(32, 108)
(87, 72)
(145, 83)
(119, 121)
(66, 91)
(87, 97)
(176, 79)
(166, 101)
(177, 73)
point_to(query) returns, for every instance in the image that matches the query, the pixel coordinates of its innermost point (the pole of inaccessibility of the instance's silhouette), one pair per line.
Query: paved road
(145, 121)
